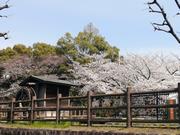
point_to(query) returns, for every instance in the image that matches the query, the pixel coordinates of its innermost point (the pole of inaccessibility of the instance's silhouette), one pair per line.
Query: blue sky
(125, 24)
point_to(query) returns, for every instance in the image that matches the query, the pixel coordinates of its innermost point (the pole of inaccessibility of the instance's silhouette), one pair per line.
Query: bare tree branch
(154, 11)
(177, 3)
(4, 35)
(160, 24)
(117, 83)
(2, 7)
(171, 72)
(166, 22)
(1, 16)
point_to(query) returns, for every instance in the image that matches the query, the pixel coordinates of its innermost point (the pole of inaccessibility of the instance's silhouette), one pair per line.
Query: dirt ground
(152, 130)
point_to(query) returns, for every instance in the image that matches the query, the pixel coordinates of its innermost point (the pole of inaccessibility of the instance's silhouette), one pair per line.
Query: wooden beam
(58, 109)
(32, 109)
(45, 94)
(12, 110)
(128, 98)
(89, 109)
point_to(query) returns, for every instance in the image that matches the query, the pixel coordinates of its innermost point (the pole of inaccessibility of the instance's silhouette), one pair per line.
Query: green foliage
(83, 60)
(86, 42)
(43, 49)
(66, 46)
(113, 53)
(38, 50)
(101, 44)
(16, 50)
(22, 49)
(96, 44)
(7, 53)
(63, 69)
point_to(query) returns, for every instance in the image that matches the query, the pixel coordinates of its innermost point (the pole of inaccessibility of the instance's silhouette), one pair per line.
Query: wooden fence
(128, 108)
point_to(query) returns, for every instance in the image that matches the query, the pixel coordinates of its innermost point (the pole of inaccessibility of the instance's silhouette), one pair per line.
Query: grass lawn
(170, 130)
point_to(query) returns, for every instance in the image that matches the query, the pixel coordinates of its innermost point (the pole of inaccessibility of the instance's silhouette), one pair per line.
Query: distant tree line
(86, 43)
(38, 50)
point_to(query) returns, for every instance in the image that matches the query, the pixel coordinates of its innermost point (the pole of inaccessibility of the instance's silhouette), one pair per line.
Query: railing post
(179, 101)
(128, 97)
(32, 109)
(12, 110)
(89, 108)
(157, 103)
(58, 109)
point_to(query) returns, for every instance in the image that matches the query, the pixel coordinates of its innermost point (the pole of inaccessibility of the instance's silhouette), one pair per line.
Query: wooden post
(157, 109)
(129, 122)
(179, 101)
(89, 108)
(32, 109)
(12, 110)
(44, 94)
(44, 90)
(58, 108)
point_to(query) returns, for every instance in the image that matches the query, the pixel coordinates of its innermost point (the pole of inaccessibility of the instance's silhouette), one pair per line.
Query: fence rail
(139, 107)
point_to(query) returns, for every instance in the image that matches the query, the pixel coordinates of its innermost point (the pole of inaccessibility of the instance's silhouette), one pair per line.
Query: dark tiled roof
(43, 79)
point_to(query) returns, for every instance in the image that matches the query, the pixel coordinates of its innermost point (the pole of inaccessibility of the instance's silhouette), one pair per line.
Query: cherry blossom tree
(142, 73)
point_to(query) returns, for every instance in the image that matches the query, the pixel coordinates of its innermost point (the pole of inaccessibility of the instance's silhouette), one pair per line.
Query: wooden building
(44, 87)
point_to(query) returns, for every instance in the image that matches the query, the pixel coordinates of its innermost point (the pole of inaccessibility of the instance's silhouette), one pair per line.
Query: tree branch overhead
(2, 7)
(166, 26)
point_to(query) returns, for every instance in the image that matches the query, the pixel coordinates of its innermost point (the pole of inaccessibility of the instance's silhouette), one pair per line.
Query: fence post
(32, 109)
(58, 108)
(179, 101)
(157, 103)
(89, 108)
(12, 110)
(128, 97)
